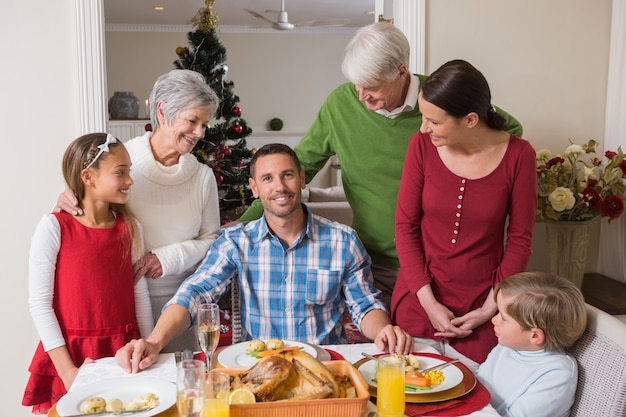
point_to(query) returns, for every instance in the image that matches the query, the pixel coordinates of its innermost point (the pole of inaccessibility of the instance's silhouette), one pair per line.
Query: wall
(543, 62)
(542, 65)
(38, 119)
(275, 75)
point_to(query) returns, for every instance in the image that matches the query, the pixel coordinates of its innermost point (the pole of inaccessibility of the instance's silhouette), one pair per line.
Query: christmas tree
(224, 146)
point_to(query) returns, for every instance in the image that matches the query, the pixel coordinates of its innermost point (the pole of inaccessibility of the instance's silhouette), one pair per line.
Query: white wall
(546, 62)
(274, 74)
(38, 119)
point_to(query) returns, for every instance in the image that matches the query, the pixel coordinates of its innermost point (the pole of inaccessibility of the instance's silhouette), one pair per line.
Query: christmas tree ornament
(238, 129)
(180, 50)
(148, 127)
(206, 19)
(228, 151)
(236, 111)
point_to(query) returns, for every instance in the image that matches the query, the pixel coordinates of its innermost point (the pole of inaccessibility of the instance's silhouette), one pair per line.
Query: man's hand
(137, 355)
(394, 339)
(148, 266)
(68, 203)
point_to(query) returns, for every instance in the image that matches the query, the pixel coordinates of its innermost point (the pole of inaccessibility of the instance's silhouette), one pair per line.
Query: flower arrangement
(572, 189)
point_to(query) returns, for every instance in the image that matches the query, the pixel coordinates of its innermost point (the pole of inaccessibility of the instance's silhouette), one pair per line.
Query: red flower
(622, 166)
(610, 154)
(592, 198)
(591, 182)
(612, 206)
(554, 161)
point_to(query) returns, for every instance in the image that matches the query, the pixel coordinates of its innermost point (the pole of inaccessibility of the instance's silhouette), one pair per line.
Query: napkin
(105, 368)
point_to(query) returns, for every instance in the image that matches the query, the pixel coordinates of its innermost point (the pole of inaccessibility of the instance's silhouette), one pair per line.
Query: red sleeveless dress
(93, 300)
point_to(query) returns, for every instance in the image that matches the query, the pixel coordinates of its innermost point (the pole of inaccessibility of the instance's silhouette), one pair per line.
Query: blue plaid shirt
(296, 292)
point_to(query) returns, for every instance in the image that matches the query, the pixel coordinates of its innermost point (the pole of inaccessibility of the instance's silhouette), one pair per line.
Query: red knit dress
(93, 301)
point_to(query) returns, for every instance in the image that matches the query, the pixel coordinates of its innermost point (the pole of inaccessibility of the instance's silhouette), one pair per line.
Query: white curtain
(612, 248)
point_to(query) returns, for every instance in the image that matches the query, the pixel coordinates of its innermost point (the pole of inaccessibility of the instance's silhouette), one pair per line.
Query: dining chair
(235, 313)
(601, 357)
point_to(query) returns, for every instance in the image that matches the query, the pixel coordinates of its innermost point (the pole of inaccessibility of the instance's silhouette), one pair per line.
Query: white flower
(574, 150)
(562, 199)
(588, 172)
(543, 154)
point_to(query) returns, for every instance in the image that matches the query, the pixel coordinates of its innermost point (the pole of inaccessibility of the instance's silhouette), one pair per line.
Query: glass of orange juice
(216, 402)
(390, 386)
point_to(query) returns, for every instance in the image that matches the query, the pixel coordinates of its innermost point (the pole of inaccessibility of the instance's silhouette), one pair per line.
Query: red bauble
(219, 178)
(148, 127)
(228, 151)
(236, 111)
(238, 129)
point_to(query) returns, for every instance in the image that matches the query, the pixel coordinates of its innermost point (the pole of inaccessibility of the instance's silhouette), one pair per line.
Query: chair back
(235, 316)
(601, 357)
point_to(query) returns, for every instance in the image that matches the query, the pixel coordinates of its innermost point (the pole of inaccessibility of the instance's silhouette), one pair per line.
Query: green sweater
(371, 150)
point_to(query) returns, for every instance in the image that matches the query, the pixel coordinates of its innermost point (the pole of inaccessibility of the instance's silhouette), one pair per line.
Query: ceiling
(232, 13)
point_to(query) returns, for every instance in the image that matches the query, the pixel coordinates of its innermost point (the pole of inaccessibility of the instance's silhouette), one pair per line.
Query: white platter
(453, 375)
(126, 389)
(235, 356)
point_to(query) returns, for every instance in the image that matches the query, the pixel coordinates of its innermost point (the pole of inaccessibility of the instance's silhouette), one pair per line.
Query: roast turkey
(288, 375)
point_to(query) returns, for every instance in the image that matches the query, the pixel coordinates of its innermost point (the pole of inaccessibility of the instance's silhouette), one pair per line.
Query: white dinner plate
(235, 356)
(453, 375)
(126, 389)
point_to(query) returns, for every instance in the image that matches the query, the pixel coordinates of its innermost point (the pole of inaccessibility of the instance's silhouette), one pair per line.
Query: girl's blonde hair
(83, 153)
(548, 302)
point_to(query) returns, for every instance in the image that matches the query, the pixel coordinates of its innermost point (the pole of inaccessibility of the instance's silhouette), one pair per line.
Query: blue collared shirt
(297, 292)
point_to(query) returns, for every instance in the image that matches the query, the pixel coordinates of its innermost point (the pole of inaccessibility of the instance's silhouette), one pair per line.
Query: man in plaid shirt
(296, 271)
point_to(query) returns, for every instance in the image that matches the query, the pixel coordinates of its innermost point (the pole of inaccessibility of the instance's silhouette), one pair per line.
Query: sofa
(329, 202)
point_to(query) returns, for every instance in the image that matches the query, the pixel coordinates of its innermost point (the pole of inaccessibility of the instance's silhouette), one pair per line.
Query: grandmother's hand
(68, 203)
(148, 266)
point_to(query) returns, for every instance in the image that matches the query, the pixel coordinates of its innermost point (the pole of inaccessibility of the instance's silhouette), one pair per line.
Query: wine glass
(208, 324)
(190, 387)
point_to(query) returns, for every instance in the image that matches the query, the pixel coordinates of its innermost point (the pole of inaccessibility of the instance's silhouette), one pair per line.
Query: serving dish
(235, 356)
(345, 407)
(126, 389)
(466, 385)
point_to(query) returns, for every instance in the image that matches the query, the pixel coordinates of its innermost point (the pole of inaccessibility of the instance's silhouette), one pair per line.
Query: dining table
(474, 403)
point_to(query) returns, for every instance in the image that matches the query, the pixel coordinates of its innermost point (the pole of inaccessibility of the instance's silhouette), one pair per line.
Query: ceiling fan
(282, 22)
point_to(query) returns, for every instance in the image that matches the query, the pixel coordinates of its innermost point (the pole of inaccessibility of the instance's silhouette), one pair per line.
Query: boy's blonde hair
(548, 302)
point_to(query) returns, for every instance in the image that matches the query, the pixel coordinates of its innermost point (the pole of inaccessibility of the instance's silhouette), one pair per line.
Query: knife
(112, 413)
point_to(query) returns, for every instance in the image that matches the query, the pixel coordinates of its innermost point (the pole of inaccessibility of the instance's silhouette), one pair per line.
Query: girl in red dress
(83, 296)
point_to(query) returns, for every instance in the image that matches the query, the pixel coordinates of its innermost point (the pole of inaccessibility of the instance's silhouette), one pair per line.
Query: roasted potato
(274, 344)
(93, 405)
(255, 345)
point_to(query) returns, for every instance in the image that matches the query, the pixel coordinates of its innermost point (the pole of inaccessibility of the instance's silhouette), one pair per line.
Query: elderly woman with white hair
(174, 196)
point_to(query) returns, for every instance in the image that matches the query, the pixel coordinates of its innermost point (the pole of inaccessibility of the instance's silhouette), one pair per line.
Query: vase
(567, 244)
(123, 105)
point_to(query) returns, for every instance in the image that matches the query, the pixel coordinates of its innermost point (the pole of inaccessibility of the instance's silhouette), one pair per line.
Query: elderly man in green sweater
(367, 123)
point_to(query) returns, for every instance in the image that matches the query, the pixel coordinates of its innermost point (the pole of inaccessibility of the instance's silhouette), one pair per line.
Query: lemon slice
(241, 396)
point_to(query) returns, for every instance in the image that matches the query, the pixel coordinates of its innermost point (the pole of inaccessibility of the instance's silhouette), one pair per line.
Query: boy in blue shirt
(529, 373)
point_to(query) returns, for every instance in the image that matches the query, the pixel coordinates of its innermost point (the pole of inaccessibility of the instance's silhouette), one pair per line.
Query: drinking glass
(208, 324)
(390, 396)
(216, 402)
(190, 387)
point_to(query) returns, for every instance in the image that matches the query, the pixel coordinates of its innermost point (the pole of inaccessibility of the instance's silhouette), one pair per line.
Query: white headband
(103, 148)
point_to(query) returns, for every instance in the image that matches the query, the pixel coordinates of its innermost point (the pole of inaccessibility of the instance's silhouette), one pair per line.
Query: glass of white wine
(208, 324)
(190, 387)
